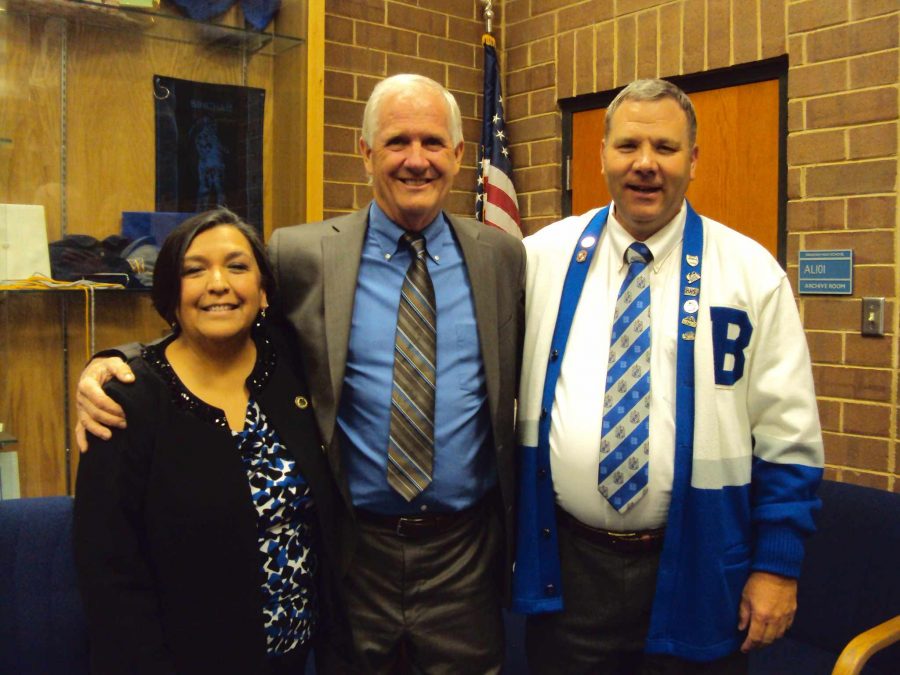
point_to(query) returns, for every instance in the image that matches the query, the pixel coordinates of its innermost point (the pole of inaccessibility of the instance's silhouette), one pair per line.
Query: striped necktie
(625, 445)
(411, 444)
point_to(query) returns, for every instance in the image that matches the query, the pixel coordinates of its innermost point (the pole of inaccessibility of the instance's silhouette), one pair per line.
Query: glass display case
(79, 127)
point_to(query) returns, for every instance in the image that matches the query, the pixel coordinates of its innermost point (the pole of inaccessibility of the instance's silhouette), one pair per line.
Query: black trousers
(607, 598)
(429, 605)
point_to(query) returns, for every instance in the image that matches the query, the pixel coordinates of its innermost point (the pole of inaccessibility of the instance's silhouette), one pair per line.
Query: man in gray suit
(425, 572)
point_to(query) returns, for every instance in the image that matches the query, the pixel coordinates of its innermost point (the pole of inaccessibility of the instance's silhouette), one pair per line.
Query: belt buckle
(407, 520)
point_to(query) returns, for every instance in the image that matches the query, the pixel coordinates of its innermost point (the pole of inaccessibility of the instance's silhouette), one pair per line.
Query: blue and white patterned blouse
(283, 505)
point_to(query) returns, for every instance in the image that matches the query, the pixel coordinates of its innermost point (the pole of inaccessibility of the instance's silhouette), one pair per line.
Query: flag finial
(488, 16)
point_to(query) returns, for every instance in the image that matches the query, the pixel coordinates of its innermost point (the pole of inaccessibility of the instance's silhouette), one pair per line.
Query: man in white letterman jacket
(685, 556)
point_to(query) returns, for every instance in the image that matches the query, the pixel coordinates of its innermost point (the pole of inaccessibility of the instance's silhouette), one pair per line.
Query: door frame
(775, 68)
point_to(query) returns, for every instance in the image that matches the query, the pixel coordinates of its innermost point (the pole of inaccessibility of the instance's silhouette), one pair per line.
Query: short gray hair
(403, 82)
(654, 90)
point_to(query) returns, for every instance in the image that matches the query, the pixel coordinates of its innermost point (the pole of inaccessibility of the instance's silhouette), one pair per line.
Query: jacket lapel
(480, 266)
(296, 430)
(341, 253)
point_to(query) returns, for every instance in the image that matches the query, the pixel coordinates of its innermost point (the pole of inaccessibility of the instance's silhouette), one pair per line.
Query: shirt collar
(660, 244)
(385, 233)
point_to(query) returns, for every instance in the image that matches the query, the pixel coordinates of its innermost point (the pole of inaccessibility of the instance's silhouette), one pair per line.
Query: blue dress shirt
(464, 466)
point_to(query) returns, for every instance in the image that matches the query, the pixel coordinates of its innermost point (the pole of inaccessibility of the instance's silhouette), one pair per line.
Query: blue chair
(850, 583)
(42, 625)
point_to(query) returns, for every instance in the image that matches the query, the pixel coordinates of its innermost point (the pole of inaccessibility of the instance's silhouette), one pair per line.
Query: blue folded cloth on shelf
(258, 13)
(155, 224)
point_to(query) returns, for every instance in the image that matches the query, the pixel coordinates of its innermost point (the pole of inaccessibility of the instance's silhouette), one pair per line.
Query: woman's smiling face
(221, 286)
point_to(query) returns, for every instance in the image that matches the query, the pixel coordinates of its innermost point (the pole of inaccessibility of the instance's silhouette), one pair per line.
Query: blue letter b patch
(731, 331)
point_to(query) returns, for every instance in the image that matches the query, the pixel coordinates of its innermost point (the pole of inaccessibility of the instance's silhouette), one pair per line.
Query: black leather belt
(641, 541)
(420, 525)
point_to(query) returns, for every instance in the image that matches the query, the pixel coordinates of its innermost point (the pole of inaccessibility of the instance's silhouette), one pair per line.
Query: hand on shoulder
(96, 411)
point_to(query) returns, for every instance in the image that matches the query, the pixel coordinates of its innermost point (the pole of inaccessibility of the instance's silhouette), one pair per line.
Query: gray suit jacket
(316, 266)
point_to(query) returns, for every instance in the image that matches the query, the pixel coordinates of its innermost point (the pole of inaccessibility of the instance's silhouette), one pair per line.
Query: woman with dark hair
(198, 527)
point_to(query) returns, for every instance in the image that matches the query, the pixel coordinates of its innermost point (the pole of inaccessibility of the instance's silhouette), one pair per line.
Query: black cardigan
(166, 533)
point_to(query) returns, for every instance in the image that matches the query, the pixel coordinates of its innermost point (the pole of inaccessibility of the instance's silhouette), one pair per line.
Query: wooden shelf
(70, 289)
(159, 24)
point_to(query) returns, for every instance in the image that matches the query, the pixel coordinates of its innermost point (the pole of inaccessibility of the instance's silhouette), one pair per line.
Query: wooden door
(737, 168)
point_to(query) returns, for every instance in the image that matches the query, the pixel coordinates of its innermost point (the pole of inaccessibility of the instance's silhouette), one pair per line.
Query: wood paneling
(30, 49)
(289, 134)
(31, 389)
(315, 110)
(737, 169)
(33, 352)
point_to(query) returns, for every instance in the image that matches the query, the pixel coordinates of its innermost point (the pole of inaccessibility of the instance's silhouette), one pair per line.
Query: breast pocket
(467, 357)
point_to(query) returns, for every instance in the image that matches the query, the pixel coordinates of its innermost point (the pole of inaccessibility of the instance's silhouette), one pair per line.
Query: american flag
(495, 201)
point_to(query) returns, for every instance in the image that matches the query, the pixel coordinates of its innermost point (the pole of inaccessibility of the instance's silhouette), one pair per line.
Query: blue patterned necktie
(411, 444)
(625, 444)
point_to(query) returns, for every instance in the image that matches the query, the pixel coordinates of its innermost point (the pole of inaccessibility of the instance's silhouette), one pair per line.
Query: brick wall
(842, 159)
(842, 145)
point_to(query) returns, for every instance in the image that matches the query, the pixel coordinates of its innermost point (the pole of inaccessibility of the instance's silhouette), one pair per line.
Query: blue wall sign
(826, 272)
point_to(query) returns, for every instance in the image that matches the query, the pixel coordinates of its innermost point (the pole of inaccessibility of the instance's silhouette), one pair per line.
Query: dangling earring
(260, 318)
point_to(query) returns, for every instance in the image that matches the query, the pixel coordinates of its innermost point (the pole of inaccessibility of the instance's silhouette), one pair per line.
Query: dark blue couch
(850, 582)
(42, 626)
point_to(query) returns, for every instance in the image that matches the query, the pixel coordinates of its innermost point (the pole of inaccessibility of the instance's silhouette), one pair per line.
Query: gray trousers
(429, 605)
(608, 597)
